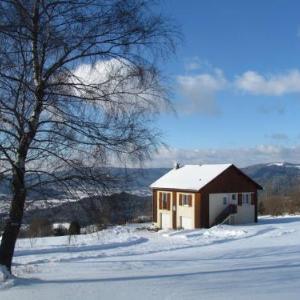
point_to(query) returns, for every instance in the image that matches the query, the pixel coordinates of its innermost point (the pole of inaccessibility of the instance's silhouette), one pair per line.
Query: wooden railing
(229, 210)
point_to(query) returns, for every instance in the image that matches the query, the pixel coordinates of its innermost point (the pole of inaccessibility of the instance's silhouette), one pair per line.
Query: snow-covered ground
(257, 261)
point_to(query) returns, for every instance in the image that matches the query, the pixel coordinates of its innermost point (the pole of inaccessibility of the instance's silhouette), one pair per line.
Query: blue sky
(236, 79)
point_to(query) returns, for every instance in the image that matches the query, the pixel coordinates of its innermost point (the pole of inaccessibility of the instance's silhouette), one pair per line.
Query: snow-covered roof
(190, 177)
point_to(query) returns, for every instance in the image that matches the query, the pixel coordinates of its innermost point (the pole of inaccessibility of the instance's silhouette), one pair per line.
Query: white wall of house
(216, 206)
(185, 215)
(186, 212)
(245, 213)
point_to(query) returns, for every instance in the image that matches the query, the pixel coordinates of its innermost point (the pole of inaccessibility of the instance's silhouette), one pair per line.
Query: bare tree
(79, 84)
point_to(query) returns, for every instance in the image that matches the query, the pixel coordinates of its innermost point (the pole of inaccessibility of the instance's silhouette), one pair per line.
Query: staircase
(225, 214)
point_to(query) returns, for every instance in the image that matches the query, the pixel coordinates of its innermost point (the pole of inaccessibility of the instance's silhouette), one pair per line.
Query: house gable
(232, 180)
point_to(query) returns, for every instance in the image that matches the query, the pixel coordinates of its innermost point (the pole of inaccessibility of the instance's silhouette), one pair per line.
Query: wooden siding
(197, 210)
(154, 205)
(174, 211)
(255, 207)
(204, 210)
(177, 190)
(231, 180)
(180, 199)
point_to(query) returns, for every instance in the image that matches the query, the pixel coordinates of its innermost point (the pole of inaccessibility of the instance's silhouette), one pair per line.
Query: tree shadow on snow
(278, 220)
(84, 248)
(35, 281)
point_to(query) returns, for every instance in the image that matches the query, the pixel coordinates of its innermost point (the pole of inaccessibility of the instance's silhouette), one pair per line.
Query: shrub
(40, 227)
(2, 225)
(275, 205)
(60, 231)
(261, 208)
(74, 228)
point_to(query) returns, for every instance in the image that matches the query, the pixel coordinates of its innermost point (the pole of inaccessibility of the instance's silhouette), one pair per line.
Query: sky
(236, 83)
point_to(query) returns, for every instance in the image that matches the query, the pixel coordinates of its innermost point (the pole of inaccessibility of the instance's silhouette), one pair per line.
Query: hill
(131, 195)
(276, 178)
(256, 261)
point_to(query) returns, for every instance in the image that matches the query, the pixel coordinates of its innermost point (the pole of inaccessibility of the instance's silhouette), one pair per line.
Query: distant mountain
(277, 178)
(113, 209)
(131, 180)
(137, 180)
(131, 196)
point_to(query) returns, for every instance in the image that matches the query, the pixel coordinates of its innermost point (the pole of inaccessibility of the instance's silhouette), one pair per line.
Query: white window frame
(246, 199)
(235, 197)
(164, 200)
(185, 199)
(225, 200)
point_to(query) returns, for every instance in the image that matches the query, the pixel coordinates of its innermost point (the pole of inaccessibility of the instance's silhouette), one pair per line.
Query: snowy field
(257, 261)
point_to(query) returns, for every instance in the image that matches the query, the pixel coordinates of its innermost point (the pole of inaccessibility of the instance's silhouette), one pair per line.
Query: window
(233, 197)
(225, 200)
(164, 199)
(246, 198)
(185, 200)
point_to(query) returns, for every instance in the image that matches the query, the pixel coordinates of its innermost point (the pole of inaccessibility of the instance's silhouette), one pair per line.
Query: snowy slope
(257, 261)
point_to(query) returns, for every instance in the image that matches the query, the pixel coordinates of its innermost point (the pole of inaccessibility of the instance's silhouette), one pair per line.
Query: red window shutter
(190, 200)
(168, 201)
(240, 201)
(252, 199)
(180, 199)
(160, 200)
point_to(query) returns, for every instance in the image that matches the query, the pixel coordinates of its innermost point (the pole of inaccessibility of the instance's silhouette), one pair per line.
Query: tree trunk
(13, 223)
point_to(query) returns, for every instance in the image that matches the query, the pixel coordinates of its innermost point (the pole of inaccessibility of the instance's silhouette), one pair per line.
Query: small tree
(261, 208)
(74, 228)
(40, 227)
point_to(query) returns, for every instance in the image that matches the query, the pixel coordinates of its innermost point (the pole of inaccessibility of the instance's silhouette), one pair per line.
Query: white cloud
(240, 156)
(271, 85)
(199, 92)
(193, 64)
(124, 84)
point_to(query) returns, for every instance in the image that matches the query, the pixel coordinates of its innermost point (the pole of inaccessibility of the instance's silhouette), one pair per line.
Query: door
(186, 223)
(165, 221)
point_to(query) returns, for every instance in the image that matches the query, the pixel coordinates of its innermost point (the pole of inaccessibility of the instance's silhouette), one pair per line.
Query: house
(196, 196)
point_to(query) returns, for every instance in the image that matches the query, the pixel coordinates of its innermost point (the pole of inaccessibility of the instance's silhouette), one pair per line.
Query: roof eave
(174, 189)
